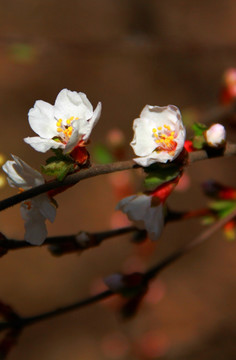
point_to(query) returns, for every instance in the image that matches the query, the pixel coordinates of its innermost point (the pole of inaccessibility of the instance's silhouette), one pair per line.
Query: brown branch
(188, 247)
(60, 245)
(96, 170)
(149, 275)
(71, 242)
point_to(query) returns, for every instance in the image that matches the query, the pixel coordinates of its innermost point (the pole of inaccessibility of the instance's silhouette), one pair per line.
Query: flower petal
(71, 103)
(73, 140)
(43, 145)
(31, 176)
(21, 174)
(35, 228)
(13, 178)
(41, 119)
(46, 208)
(154, 222)
(86, 128)
(145, 216)
(143, 143)
(135, 206)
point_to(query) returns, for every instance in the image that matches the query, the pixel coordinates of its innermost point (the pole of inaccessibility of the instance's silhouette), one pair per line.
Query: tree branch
(96, 170)
(93, 239)
(149, 275)
(70, 243)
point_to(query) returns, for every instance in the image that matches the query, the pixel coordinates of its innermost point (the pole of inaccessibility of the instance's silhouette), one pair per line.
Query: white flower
(159, 135)
(142, 210)
(36, 210)
(215, 135)
(64, 124)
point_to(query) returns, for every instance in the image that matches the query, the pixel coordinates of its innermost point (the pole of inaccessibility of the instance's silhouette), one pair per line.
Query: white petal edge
(41, 119)
(43, 145)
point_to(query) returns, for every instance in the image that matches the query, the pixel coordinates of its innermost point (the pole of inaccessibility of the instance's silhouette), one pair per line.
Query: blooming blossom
(36, 210)
(159, 135)
(64, 125)
(215, 135)
(144, 212)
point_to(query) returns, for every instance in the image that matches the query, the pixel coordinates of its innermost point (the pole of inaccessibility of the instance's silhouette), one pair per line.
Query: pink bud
(215, 135)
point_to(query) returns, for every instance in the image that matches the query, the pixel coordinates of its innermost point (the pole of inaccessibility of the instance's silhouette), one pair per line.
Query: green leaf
(59, 169)
(198, 128)
(223, 207)
(199, 142)
(101, 154)
(160, 176)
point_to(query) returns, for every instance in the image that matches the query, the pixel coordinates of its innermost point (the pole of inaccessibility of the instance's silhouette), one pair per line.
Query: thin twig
(94, 239)
(149, 275)
(188, 247)
(96, 170)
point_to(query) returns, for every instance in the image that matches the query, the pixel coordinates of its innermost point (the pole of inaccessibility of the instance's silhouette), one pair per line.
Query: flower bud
(115, 282)
(215, 135)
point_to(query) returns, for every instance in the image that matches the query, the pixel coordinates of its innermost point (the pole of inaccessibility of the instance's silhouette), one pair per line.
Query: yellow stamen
(159, 128)
(167, 127)
(68, 121)
(154, 130)
(59, 130)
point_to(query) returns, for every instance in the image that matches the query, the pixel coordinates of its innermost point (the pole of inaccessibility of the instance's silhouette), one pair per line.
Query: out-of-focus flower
(228, 91)
(215, 135)
(216, 190)
(159, 135)
(36, 210)
(229, 230)
(64, 125)
(145, 212)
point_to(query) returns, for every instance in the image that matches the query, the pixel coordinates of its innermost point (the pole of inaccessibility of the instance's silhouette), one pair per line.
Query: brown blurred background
(125, 53)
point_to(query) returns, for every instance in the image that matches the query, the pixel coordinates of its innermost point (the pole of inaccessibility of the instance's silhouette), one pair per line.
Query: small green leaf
(59, 169)
(223, 207)
(198, 128)
(160, 176)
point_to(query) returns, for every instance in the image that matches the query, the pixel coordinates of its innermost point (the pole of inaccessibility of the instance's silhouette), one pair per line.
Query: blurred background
(126, 54)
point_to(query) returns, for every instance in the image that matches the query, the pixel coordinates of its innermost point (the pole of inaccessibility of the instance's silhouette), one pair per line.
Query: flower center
(65, 131)
(164, 138)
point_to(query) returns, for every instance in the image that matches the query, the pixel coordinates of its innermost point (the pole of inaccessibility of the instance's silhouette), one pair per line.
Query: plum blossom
(65, 124)
(159, 135)
(145, 211)
(215, 135)
(36, 210)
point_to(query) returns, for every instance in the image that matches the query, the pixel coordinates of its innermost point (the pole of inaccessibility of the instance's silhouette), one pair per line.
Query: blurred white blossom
(145, 212)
